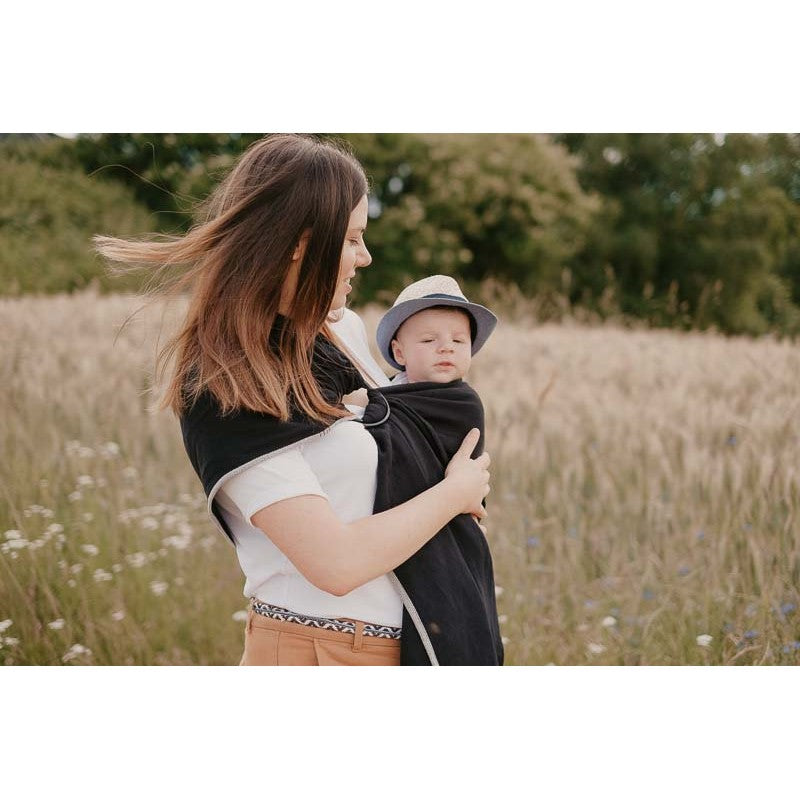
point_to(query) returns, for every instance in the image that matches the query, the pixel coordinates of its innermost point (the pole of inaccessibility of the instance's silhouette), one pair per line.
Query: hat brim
(485, 322)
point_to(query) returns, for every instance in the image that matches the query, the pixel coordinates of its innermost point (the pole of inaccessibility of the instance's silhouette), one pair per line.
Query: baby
(418, 422)
(432, 331)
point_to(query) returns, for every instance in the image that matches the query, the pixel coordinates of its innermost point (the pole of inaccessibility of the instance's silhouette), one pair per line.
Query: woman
(259, 375)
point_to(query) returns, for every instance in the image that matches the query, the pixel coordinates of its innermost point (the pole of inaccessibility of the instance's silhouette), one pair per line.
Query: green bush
(48, 215)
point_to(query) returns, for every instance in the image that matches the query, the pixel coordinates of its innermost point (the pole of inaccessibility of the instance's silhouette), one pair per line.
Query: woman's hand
(482, 527)
(470, 475)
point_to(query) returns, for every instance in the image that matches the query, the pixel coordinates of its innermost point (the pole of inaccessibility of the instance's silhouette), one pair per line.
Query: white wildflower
(56, 624)
(149, 523)
(13, 534)
(47, 513)
(502, 619)
(10, 641)
(5, 624)
(178, 542)
(704, 639)
(609, 622)
(158, 587)
(85, 480)
(76, 651)
(100, 575)
(162, 551)
(595, 649)
(136, 560)
(88, 516)
(239, 616)
(15, 544)
(109, 450)
(207, 542)
(76, 569)
(85, 452)
(116, 567)
(71, 583)
(117, 616)
(505, 640)
(73, 497)
(72, 447)
(129, 473)
(498, 590)
(53, 528)
(90, 549)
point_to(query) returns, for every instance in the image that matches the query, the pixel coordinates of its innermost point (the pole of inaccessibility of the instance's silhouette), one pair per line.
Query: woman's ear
(300, 249)
(397, 352)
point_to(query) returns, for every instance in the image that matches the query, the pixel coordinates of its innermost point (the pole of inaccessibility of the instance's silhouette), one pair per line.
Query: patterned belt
(341, 625)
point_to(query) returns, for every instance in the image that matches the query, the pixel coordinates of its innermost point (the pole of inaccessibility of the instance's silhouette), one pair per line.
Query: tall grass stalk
(645, 492)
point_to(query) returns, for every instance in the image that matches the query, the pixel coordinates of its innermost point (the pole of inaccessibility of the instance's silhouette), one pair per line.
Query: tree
(694, 230)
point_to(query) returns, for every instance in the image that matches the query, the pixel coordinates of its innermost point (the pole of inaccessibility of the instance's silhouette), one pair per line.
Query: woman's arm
(338, 557)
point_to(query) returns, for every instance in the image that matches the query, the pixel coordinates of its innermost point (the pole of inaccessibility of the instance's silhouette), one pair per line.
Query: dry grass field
(645, 504)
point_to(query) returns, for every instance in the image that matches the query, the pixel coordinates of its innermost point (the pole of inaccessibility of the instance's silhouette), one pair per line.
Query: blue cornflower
(751, 634)
(700, 535)
(683, 571)
(588, 603)
(533, 541)
(648, 594)
(731, 440)
(788, 608)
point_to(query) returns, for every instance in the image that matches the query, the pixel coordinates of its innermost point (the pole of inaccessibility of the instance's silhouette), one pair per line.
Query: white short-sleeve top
(339, 465)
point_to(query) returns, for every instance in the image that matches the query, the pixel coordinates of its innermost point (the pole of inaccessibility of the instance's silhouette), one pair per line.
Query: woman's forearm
(338, 557)
(375, 545)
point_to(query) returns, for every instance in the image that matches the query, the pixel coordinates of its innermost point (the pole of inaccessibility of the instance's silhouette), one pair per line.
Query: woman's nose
(365, 259)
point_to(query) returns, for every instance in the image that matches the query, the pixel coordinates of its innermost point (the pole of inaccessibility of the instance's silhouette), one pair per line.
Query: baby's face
(434, 345)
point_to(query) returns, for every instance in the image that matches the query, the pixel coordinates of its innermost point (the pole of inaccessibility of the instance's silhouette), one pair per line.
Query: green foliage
(48, 215)
(694, 230)
(506, 206)
(689, 230)
(169, 173)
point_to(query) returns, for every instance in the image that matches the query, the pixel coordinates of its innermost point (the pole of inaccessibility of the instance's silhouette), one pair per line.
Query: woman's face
(354, 253)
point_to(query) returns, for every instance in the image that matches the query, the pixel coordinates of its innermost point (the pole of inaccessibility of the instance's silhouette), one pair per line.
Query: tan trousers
(271, 642)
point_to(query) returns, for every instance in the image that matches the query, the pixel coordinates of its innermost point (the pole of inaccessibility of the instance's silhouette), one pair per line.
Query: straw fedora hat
(436, 290)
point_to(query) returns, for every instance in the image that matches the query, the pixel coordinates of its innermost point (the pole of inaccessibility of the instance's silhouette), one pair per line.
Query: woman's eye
(354, 242)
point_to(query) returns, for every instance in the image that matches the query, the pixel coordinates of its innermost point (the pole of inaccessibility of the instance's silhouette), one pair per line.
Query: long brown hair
(238, 259)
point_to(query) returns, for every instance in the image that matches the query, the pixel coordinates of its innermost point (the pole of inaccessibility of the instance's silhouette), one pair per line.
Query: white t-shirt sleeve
(277, 478)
